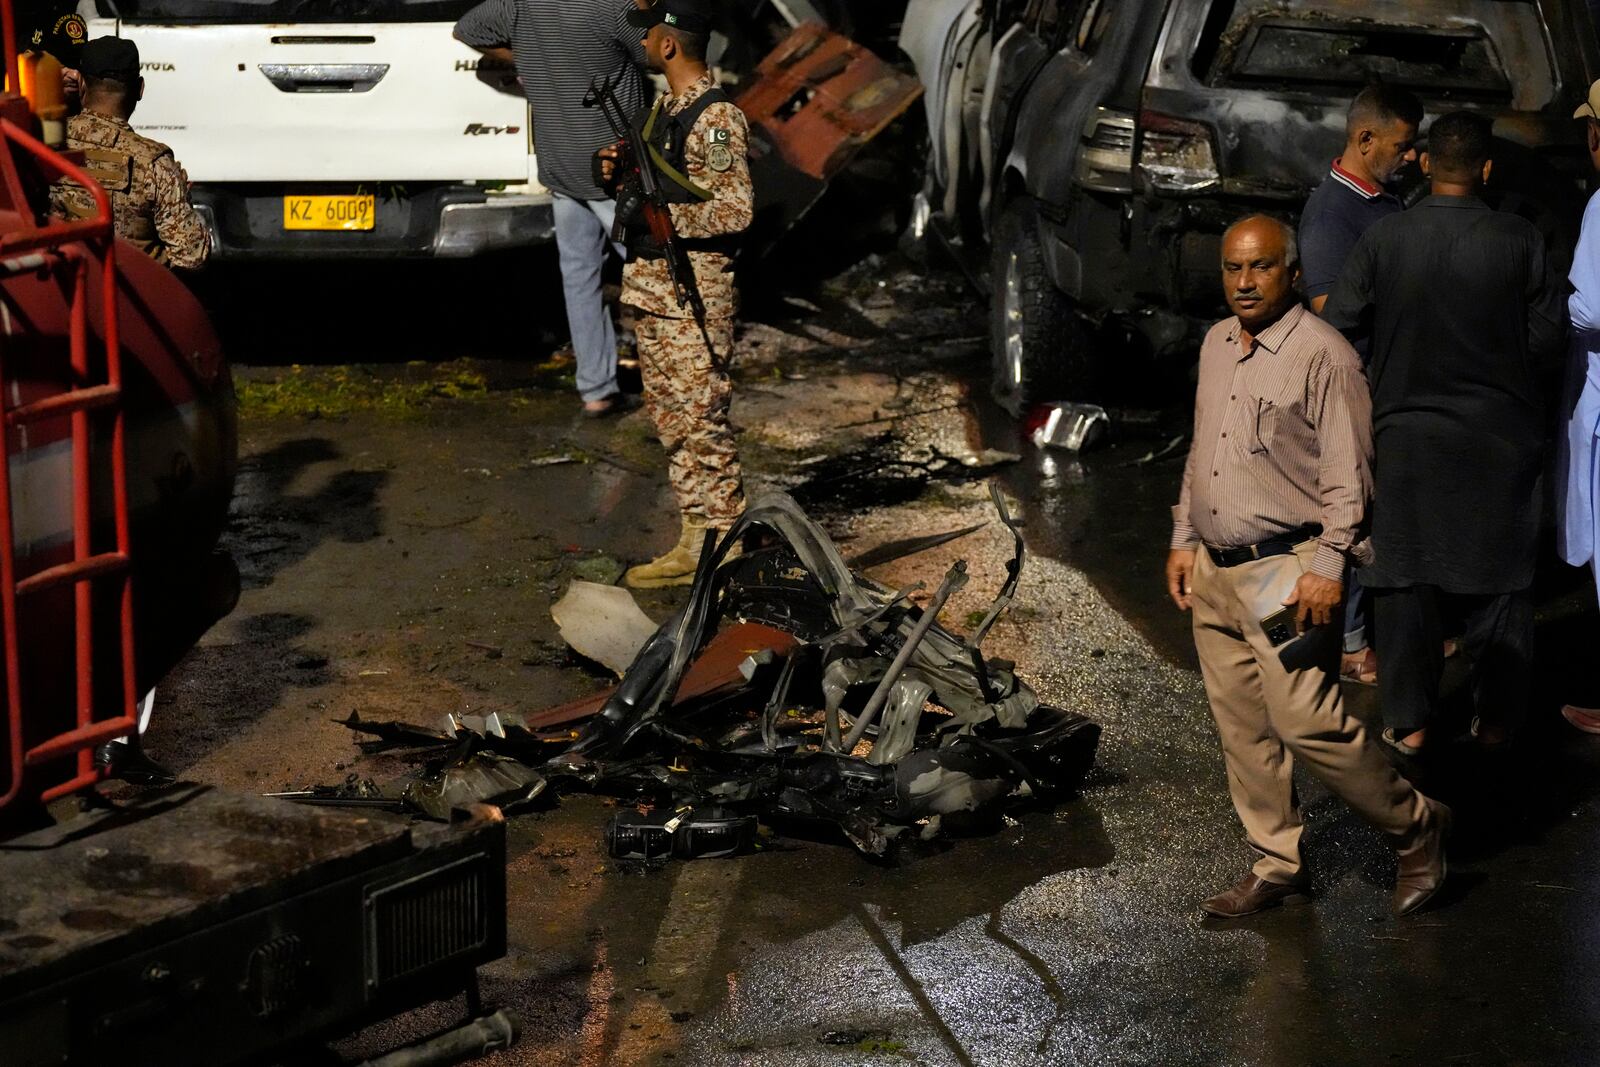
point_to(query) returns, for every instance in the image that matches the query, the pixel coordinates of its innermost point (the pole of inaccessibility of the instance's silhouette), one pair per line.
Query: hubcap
(1011, 309)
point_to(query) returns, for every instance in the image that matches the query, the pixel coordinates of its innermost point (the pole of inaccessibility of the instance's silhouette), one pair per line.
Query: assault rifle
(639, 192)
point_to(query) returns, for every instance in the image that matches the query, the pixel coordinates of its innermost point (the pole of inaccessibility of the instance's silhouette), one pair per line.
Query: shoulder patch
(719, 135)
(719, 157)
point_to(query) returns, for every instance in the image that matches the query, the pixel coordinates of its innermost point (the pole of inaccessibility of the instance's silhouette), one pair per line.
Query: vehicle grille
(273, 976)
(435, 918)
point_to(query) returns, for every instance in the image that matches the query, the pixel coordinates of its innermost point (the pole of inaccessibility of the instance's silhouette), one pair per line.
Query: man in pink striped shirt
(1272, 511)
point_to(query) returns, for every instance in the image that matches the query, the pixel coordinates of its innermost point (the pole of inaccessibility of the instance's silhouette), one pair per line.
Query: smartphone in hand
(1280, 626)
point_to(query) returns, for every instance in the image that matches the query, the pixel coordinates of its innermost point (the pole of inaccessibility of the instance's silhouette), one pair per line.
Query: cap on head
(1590, 108)
(65, 38)
(110, 57)
(690, 16)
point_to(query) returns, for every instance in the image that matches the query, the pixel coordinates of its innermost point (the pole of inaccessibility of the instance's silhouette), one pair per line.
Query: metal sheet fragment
(480, 778)
(602, 623)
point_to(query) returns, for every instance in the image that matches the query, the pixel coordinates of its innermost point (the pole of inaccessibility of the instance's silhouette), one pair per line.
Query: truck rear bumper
(444, 221)
(230, 928)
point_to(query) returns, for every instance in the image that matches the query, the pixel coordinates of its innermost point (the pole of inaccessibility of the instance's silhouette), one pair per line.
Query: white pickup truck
(335, 128)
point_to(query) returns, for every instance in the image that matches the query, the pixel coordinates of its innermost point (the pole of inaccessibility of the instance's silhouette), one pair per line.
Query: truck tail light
(1176, 156)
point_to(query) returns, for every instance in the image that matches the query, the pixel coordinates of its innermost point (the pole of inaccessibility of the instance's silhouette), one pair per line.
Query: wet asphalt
(1067, 935)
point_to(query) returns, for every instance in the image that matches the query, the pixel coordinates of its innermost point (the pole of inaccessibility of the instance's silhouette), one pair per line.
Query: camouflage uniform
(686, 387)
(149, 191)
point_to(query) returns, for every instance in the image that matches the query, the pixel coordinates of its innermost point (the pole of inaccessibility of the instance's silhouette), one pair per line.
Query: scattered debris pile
(787, 689)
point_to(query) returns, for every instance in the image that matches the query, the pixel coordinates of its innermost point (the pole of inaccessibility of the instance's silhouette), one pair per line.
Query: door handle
(324, 77)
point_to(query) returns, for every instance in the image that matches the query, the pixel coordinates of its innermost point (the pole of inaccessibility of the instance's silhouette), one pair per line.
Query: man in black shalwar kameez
(1463, 320)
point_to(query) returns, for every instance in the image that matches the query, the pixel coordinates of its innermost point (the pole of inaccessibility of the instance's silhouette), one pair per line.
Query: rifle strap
(665, 169)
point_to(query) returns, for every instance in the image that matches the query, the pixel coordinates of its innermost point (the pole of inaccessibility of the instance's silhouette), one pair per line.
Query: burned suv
(1085, 155)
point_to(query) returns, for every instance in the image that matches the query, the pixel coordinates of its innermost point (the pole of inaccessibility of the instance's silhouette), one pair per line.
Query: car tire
(1038, 345)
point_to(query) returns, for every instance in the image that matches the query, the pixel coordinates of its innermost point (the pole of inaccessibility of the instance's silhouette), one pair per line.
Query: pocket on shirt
(1266, 426)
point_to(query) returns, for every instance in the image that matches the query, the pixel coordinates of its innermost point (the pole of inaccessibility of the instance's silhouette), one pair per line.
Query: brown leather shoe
(1422, 867)
(1250, 895)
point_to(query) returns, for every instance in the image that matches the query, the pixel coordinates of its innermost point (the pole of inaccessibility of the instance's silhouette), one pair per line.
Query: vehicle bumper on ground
(446, 221)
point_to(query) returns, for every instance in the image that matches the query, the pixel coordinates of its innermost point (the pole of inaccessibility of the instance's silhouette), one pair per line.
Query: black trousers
(1495, 633)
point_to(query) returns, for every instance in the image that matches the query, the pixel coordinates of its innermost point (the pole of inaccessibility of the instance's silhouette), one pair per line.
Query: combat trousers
(1496, 637)
(583, 229)
(687, 393)
(1268, 716)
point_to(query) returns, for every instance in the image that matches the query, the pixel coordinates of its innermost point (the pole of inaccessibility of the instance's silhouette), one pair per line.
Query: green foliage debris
(880, 1044)
(330, 392)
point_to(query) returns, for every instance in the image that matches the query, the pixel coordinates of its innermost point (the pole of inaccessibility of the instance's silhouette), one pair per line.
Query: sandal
(1359, 667)
(1585, 719)
(615, 404)
(1475, 731)
(1408, 751)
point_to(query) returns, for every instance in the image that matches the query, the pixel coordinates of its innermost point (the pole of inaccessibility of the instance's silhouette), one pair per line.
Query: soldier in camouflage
(700, 139)
(149, 191)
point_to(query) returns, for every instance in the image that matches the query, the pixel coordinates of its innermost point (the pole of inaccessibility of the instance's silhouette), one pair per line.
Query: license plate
(328, 212)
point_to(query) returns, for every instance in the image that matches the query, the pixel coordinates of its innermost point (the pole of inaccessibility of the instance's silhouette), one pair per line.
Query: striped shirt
(1282, 440)
(559, 45)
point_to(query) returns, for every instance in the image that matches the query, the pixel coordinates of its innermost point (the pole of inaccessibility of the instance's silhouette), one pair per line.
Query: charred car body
(1085, 155)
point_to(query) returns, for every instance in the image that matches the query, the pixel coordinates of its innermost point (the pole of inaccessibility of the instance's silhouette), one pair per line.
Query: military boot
(676, 566)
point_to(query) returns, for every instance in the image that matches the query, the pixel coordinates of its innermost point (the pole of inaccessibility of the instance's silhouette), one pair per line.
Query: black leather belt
(1282, 545)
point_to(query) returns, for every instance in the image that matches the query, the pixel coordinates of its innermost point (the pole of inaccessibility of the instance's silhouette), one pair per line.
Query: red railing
(8, 26)
(61, 247)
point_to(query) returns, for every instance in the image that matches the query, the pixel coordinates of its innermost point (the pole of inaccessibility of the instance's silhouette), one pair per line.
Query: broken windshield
(284, 11)
(1356, 55)
(1493, 53)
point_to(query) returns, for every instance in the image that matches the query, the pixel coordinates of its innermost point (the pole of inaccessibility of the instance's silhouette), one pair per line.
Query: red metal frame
(60, 247)
(8, 26)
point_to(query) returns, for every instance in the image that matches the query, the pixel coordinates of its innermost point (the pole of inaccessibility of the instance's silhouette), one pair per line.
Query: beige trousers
(1267, 717)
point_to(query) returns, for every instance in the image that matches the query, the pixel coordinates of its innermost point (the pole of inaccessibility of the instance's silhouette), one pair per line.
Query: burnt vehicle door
(1021, 51)
(945, 40)
(1245, 103)
(1064, 111)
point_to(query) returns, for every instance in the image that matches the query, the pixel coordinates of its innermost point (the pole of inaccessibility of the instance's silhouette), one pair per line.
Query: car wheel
(1038, 345)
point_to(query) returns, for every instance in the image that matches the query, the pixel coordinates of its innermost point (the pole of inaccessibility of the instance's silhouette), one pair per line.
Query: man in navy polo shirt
(1380, 139)
(1380, 136)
